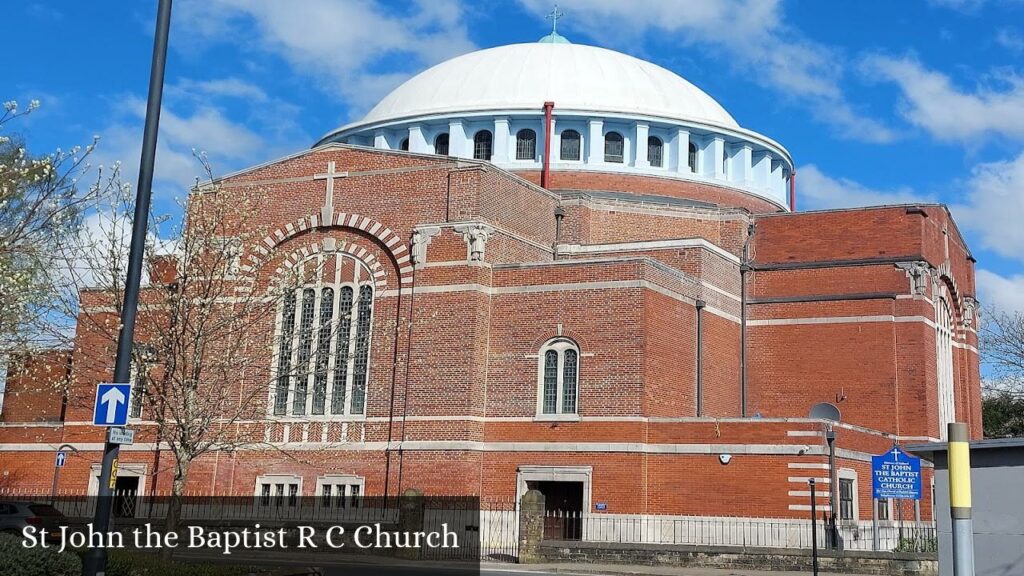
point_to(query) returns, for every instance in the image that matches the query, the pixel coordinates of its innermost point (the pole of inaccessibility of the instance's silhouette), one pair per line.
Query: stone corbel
(920, 274)
(421, 238)
(476, 236)
(970, 309)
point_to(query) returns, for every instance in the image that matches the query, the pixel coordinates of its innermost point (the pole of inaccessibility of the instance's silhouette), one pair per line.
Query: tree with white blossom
(42, 204)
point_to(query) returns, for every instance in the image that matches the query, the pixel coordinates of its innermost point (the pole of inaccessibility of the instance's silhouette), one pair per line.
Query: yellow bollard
(960, 499)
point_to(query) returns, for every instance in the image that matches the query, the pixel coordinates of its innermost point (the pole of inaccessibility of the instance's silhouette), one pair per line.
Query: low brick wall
(881, 563)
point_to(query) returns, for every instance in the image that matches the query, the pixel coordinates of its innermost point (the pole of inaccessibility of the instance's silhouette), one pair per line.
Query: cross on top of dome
(554, 37)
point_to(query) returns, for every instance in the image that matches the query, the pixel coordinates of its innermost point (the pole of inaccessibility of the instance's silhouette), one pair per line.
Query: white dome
(573, 76)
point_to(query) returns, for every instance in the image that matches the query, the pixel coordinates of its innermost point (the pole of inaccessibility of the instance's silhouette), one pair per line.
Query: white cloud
(816, 190)
(1010, 38)
(230, 87)
(341, 44)
(234, 123)
(934, 103)
(994, 206)
(1003, 293)
(228, 143)
(750, 34)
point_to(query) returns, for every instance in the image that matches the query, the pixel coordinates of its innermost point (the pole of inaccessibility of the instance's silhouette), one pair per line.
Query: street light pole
(96, 559)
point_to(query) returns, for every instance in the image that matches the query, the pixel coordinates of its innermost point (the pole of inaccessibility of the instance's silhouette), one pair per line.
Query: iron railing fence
(739, 532)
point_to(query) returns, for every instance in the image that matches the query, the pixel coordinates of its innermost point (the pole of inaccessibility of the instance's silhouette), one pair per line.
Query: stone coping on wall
(724, 557)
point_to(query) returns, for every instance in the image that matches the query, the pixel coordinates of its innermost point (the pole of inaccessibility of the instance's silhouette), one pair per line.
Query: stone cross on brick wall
(327, 210)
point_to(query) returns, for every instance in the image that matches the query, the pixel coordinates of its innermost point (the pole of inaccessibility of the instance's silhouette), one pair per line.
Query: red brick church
(560, 267)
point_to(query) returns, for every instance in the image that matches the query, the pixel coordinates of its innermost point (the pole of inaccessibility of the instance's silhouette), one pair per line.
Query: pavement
(569, 569)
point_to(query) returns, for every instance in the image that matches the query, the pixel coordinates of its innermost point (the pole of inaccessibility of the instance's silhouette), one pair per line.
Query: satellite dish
(825, 411)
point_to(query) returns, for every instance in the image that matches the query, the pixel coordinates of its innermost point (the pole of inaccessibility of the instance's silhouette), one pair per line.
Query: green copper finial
(554, 37)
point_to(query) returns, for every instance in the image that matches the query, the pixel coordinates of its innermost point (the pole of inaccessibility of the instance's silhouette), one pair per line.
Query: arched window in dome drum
(404, 145)
(613, 147)
(482, 142)
(691, 160)
(570, 148)
(725, 160)
(654, 151)
(441, 144)
(526, 144)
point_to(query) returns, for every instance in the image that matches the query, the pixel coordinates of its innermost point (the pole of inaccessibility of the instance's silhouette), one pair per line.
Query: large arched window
(323, 342)
(404, 145)
(570, 148)
(441, 144)
(944, 364)
(691, 160)
(526, 144)
(655, 147)
(558, 377)
(613, 147)
(482, 145)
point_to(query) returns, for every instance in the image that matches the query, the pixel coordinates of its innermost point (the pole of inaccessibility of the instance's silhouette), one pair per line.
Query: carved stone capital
(476, 236)
(970, 312)
(421, 238)
(920, 274)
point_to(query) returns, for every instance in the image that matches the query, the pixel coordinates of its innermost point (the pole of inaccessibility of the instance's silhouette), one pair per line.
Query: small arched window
(691, 160)
(613, 147)
(441, 144)
(526, 144)
(404, 145)
(558, 377)
(570, 147)
(655, 147)
(482, 142)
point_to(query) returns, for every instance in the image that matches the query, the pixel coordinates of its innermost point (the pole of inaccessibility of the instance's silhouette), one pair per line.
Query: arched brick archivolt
(391, 242)
(329, 246)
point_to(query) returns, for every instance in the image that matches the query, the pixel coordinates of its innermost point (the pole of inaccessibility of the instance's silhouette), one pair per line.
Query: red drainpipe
(545, 175)
(792, 191)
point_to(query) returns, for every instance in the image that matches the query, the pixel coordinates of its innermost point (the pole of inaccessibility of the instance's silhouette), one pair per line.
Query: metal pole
(874, 524)
(95, 561)
(960, 499)
(56, 471)
(814, 529)
(830, 437)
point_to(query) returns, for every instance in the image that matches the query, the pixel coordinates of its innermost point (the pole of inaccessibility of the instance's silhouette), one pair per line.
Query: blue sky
(878, 101)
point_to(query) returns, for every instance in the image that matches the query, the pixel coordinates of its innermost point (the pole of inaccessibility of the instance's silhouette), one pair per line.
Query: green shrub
(130, 563)
(925, 545)
(16, 560)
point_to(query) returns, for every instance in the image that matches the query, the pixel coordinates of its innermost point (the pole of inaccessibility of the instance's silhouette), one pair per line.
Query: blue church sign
(896, 474)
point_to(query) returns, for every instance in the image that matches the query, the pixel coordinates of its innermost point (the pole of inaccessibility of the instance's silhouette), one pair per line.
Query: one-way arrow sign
(111, 404)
